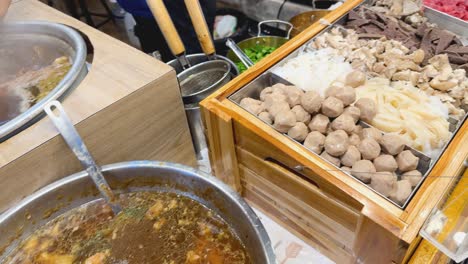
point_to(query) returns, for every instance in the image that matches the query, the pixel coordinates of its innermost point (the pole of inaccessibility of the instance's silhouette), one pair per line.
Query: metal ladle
(239, 53)
(72, 138)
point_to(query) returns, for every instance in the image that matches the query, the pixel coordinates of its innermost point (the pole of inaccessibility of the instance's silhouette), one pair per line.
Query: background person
(150, 35)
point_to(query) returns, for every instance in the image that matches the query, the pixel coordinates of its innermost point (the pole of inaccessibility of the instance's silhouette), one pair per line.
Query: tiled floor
(288, 248)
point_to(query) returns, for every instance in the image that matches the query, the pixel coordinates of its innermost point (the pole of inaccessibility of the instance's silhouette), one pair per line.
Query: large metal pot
(53, 40)
(20, 221)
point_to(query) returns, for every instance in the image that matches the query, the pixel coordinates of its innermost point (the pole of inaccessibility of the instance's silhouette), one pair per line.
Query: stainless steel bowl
(54, 40)
(20, 221)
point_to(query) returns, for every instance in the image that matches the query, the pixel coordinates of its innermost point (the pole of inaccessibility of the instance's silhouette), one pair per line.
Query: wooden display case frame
(330, 210)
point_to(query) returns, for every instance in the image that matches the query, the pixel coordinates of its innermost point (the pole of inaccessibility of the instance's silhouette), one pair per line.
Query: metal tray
(268, 78)
(54, 40)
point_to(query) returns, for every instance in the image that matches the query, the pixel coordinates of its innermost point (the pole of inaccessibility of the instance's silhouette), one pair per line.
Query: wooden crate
(128, 107)
(332, 211)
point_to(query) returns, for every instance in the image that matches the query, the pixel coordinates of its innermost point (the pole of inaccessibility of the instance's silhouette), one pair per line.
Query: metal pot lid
(39, 62)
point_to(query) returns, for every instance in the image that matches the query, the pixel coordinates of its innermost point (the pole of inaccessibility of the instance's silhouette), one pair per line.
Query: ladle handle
(239, 53)
(167, 27)
(201, 27)
(72, 138)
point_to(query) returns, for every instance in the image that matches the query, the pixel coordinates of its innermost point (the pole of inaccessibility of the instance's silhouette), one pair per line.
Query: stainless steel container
(192, 110)
(20, 221)
(51, 40)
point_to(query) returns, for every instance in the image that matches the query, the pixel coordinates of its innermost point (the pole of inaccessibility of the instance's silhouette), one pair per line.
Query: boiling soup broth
(162, 228)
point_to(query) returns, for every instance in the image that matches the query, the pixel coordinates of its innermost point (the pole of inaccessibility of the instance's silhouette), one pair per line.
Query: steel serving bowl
(53, 40)
(19, 222)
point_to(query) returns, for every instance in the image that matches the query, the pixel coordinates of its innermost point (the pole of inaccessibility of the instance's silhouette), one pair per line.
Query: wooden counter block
(128, 107)
(332, 211)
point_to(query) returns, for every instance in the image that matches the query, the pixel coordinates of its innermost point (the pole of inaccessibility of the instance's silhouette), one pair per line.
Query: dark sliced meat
(457, 49)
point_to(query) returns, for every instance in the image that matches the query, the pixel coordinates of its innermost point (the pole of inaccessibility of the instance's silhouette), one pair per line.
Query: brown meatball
(355, 79)
(277, 107)
(392, 144)
(315, 141)
(273, 98)
(351, 156)
(266, 117)
(346, 94)
(385, 163)
(401, 192)
(284, 121)
(311, 101)
(252, 105)
(332, 107)
(343, 122)
(363, 170)
(369, 148)
(331, 159)
(336, 143)
(368, 109)
(346, 169)
(278, 87)
(298, 132)
(383, 182)
(358, 130)
(301, 114)
(354, 140)
(373, 133)
(407, 161)
(293, 94)
(414, 177)
(319, 123)
(265, 92)
(353, 111)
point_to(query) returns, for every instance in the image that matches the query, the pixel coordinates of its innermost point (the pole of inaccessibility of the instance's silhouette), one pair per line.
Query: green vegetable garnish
(255, 54)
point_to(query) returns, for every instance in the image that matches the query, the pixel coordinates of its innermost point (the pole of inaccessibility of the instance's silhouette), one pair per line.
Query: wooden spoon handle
(167, 27)
(200, 25)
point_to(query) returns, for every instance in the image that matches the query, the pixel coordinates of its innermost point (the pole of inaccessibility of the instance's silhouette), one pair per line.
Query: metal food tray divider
(268, 78)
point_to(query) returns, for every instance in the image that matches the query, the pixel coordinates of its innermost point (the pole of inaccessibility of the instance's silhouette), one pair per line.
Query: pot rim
(177, 168)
